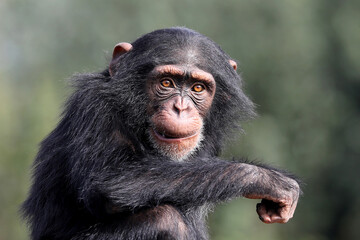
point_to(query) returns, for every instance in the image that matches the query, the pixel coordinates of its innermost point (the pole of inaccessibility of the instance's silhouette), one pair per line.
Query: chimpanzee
(135, 154)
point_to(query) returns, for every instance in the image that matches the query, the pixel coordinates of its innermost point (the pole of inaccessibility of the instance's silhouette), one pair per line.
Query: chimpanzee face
(180, 97)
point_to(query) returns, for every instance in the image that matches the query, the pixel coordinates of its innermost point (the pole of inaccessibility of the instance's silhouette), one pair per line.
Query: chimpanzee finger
(263, 214)
(275, 218)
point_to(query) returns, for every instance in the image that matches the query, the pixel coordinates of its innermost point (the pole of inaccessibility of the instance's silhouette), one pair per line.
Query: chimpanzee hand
(280, 207)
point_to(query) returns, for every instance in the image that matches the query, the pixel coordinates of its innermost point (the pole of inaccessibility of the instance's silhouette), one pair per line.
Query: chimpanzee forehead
(179, 46)
(186, 58)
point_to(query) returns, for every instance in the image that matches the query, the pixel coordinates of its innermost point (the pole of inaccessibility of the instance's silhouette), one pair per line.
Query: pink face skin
(180, 98)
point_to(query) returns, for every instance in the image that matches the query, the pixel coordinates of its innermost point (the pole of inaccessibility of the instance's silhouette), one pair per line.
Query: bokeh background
(300, 61)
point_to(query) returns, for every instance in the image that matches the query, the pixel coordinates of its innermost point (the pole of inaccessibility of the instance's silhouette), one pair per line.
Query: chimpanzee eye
(198, 88)
(166, 83)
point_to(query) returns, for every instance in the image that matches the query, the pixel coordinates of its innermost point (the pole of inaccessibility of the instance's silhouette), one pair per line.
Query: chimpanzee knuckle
(292, 195)
(285, 220)
(277, 220)
(284, 201)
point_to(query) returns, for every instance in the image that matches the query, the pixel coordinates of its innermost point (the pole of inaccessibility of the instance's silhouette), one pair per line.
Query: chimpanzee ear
(233, 64)
(119, 49)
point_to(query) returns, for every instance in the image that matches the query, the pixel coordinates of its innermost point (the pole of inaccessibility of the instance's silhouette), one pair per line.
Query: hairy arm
(152, 181)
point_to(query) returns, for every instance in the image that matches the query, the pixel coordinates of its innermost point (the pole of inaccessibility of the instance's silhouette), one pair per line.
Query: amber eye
(166, 83)
(198, 88)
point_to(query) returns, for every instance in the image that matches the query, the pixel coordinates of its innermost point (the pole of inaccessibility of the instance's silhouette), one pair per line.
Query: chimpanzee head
(178, 90)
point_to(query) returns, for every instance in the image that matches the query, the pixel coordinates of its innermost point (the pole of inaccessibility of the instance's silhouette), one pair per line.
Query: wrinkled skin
(180, 97)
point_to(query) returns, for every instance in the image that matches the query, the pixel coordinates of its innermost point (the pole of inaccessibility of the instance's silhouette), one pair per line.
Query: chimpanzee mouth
(162, 136)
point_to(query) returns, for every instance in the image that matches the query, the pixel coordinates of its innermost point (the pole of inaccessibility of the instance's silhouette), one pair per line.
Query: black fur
(97, 176)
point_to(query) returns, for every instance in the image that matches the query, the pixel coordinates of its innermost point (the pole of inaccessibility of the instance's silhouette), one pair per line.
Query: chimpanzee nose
(181, 104)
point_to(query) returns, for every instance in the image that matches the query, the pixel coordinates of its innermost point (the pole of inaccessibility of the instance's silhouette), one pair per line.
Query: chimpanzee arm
(153, 181)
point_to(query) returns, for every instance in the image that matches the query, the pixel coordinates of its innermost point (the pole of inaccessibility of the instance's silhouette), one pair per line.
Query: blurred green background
(300, 61)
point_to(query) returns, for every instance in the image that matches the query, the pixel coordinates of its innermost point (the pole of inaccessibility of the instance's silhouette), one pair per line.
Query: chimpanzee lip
(166, 138)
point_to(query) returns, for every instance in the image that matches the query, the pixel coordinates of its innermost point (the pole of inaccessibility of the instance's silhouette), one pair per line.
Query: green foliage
(300, 61)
